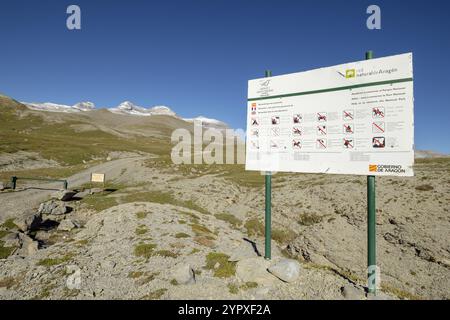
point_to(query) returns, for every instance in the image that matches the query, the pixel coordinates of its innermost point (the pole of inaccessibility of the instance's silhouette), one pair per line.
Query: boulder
(28, 246)
(184, 274)
(29, 221)
(64, 195)
(42, 236)
(2, 186)
(53, 207)
(66, 225)
(76, 223)
(95, 190)
(11, 240)
(73, 281)
(254, 270)
(350, 292)
(83, 193)
(52, 217)
(287, 270)
(243, 251)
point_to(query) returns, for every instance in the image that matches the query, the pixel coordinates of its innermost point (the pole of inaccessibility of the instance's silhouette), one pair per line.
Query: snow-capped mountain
(162, 110)
(209, 123)
(125, 108)
(84, 106)
(128, 107)
(54, 107)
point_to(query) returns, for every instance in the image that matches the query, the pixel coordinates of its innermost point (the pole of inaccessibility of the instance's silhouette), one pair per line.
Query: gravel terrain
(318, 221)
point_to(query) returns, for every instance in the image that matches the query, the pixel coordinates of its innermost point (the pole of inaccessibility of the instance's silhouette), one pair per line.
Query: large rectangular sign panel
(354, 118)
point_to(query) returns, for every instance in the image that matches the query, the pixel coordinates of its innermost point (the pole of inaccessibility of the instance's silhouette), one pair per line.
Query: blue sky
(197, 55)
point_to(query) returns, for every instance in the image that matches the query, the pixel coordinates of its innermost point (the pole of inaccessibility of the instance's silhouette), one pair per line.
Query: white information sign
(98, 177)
(354, 118)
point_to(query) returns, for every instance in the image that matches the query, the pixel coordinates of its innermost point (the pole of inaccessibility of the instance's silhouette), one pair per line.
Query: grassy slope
(27, 131)
(35, 131)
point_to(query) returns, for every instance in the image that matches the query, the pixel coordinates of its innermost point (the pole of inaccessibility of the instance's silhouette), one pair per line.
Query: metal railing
(15, 178)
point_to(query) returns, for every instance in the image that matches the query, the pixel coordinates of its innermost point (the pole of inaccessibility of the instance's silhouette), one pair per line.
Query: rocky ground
(159, 231)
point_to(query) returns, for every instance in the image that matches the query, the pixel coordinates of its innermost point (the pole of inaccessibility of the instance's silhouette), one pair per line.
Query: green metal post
(268, 206)
(371, 236)
(14, 182)
(65, 184)
(371, 227)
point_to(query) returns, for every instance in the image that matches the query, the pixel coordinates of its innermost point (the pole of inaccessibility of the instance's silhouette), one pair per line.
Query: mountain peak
(208, 122)
(162, 110)
(127, 108)
(127, 105)
(84, 106)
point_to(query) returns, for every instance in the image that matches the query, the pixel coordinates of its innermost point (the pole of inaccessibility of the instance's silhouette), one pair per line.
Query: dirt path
(14, 204)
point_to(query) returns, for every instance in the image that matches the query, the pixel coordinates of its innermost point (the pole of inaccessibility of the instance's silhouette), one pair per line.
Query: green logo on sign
(350, 73)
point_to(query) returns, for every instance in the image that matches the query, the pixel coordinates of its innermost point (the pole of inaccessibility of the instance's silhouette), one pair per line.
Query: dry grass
(225, 268)
(254, 227)
(140, 230)
(162, 198)
(5, 252)
(8, 282)
(48, 262)
(141, 215)
(100, 202)
(166, 254)
(308, 219)
(182, 235)
(204, 241)
(155, 295)
(231, 219)
(425, 187)
(145, 250)
(283, 236)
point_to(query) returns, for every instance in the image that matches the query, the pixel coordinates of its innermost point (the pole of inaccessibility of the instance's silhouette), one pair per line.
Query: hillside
(164, 231)
(71, 139)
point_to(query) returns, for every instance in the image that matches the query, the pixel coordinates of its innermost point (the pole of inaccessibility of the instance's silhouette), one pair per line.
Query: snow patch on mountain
(54, 107)
(84, 106)
(209, 123)
(128, 107)
(162, 110)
